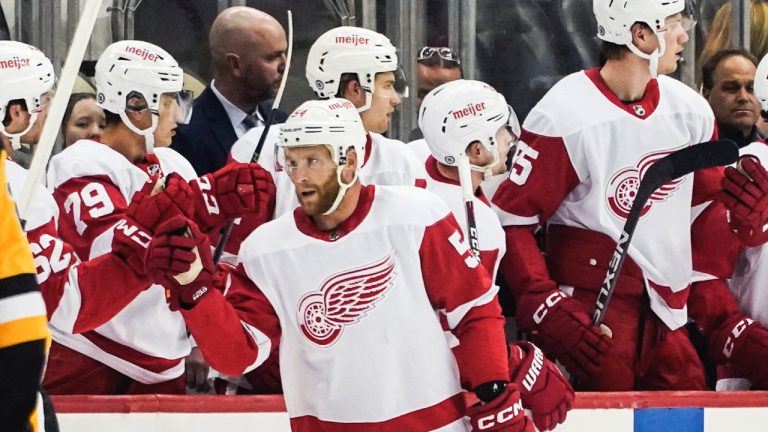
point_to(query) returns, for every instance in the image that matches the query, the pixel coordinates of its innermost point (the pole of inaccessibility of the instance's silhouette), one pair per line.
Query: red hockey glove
(179, 258)
(160, 201)
(129, 242)
(503, 413)
(544, 390)
(745, 195)
(234, 191)
(564, 331)
(743, 343)
(265, 379)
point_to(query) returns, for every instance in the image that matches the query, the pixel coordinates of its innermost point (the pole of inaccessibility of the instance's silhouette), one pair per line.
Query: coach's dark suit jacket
(209, 136)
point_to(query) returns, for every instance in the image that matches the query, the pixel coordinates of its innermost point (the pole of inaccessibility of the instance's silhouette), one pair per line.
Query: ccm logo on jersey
(352, 40)
(738, 329)
(551, 300)
(471, 110)
(134, 233)
(502, 416)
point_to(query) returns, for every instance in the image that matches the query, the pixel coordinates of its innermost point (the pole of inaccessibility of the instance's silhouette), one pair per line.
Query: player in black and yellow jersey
(24, 335)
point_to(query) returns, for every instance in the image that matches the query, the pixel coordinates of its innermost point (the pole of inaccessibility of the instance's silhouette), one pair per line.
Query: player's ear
(233, 60)
(354, 93)
(641, 35)
(475, 152)
(705, 92)
(350, 166)
(137, 111)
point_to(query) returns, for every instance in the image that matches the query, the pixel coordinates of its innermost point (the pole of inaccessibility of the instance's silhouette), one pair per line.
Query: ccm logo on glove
(134, 233)
(204, 183)
(543, 308)
(738, 329)
(502, 416)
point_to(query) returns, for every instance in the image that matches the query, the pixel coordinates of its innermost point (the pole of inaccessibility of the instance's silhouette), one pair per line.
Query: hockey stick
(465, 180)
(227, 230)
(673, 166)
(59, 103)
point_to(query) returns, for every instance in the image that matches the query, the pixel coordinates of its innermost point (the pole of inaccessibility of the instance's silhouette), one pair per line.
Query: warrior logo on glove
(344, 299)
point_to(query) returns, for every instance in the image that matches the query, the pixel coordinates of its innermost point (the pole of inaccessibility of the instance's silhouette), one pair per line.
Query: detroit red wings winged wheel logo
(623, 186)
(344, 299)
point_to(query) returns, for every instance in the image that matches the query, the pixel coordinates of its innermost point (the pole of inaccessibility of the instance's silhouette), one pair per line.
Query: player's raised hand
(743, 343)
(502, 413)
(237, 190)
(745, 195)
(160, 201)
(543, 389)
(564, 330)
(179, 258)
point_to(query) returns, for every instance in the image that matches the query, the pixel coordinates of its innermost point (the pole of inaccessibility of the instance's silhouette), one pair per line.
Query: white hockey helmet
(333, 123)
(761, 85)
(351, 50)
(26, 74)
(458, 113)
(615, 20)
(131, 67)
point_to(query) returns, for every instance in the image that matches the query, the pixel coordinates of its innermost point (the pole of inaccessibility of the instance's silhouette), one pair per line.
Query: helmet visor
(184, 99)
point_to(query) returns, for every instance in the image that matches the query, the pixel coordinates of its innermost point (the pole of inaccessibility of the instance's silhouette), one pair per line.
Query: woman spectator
(83, 119)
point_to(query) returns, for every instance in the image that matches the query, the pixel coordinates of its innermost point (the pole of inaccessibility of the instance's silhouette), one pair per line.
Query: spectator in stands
(728, 80)
(248, 50)
(720, 35)
(83, 119)
(435, 66)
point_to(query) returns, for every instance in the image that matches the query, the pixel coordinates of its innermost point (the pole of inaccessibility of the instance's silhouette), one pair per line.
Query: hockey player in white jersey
(142, 348)
(583, 150)
(735, 321)
(470, 119)
(382, 315)
(361, 66)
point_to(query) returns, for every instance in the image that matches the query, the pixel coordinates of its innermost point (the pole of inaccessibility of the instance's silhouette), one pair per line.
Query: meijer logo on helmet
(143, 53)
(14, 63)
(471, 110)
(352, 40)
(341, 105)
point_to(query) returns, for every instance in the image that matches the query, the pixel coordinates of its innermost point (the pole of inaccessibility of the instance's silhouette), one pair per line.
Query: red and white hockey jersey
(92, 185)
(581, 158)
(74, 293)
(746, 267)
(358, 313)
(490, 234)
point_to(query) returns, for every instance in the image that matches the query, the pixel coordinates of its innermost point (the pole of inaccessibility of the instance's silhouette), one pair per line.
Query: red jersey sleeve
(88, 206)
(710, 232)
(541, 176)
(236, 332)
(82, 296)
(461, 290)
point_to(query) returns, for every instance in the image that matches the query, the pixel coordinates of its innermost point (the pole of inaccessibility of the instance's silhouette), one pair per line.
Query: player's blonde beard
(343, 187)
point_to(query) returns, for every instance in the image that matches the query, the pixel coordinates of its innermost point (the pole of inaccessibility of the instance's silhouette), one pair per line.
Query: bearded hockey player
(583, 150)
(469, 118)
(142, 348)
(377, 287)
